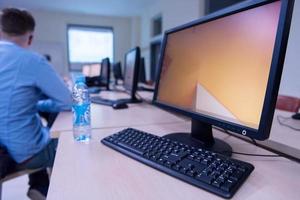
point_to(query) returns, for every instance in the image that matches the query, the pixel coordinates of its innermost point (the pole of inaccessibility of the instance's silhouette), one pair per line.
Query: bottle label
(81, 114)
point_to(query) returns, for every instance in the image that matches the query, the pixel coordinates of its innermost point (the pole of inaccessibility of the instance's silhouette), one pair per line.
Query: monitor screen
(117, 70)
(104, 69)
(220, 68)
(105, 72)
(131, 70)
(142, 73)
(91, 70)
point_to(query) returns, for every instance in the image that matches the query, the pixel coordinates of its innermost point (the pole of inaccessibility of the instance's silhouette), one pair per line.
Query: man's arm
(51, 85)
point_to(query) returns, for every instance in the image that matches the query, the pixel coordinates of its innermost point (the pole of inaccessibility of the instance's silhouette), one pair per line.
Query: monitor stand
(130, 100)
(111, 102)
(201, 136)
(296, 116)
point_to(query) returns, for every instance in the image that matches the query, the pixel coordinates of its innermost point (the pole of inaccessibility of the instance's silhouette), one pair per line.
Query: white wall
(51, 29)
(135, 31)
(290, 83)
(174, 13)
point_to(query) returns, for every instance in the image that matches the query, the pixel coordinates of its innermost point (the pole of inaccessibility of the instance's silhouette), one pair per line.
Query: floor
(15, 189)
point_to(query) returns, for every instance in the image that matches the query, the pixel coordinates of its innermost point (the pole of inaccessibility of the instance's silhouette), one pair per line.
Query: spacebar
(127, 147)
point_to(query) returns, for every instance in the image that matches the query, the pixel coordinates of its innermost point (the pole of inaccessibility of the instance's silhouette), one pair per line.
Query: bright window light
(89, 44)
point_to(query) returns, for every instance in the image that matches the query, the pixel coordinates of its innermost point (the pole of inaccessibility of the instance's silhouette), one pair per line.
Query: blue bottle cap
(80, 79)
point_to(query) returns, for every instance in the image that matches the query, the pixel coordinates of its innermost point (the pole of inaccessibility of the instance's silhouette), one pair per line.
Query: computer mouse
(296, 116)
(119, 105)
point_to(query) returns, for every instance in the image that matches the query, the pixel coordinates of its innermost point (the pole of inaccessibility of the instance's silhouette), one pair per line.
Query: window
(87, 45)
(157, 25)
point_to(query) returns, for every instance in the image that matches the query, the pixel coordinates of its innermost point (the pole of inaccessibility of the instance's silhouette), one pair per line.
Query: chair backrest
(288, 103)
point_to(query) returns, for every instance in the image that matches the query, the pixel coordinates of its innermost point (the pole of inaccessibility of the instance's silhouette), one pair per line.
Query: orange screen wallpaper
(221, 68)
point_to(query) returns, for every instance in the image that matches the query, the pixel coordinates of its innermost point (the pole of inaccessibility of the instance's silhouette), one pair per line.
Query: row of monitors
(102, 71)
(134, 72)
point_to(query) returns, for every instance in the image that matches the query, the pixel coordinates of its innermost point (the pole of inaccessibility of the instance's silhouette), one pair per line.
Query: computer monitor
(224, 71)
(142, 73)
(97, 74)
(95, 69)
(143, 85)
(117, 70)
(131, 72)
(91, 70)
(105, 72)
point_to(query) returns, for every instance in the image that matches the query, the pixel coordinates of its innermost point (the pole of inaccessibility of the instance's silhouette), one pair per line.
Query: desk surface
(283, 134)
(106, 117)
(94, 171)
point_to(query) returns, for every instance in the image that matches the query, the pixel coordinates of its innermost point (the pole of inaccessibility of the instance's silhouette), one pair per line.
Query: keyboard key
(176, 167)
(198, 167)
(235, 176)
(205, 161)
(228, 185)
(191, 173)
(218, 182)
(169, 164)
(173, 158)
(138, 151)
(204, 178)
(213, 175)
(183, 170)
(243, 169)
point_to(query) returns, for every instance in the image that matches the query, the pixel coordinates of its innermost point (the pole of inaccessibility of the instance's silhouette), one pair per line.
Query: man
(26, 78)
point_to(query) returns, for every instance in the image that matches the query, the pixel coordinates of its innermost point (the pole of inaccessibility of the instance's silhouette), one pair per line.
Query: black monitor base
(130, 100)
(296, 116)
(94, 90)
(201, 136)
(141, 88)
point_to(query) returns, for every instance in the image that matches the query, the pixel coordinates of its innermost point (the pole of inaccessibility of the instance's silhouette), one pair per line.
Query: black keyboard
(99, 100)
(210, 171)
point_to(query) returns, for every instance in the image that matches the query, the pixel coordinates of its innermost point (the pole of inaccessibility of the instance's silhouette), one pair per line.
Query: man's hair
(16, 22)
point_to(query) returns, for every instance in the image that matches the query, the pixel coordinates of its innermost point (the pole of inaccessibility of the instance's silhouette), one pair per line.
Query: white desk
(107, 117)
(94, 171)
(283, 134)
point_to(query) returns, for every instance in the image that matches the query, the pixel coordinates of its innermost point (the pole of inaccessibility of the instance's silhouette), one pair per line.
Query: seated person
(25, 79)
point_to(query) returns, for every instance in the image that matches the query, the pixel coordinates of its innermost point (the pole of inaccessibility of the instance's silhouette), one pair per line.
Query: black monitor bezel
(142, 71)
(264, 128)
(132, 90)
(105, 77)
(117, 71)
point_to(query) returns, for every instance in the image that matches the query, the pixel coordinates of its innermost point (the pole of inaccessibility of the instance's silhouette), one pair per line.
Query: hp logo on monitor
(244, 132)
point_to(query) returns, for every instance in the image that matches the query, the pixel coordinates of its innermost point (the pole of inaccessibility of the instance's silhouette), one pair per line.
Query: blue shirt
(26, 78)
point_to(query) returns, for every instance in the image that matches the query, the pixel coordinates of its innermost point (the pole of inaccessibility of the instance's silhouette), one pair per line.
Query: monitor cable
(247, 154)
(257, 155)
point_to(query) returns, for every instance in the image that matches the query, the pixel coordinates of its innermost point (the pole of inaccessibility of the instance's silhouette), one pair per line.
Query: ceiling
(126, 8)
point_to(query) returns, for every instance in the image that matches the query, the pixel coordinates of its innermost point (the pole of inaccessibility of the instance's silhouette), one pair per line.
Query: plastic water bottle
(81, 111)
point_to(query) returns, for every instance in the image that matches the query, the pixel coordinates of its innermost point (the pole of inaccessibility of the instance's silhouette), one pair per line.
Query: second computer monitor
(117, 71)
(105, 72)
(131, 71)
(142, 72)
